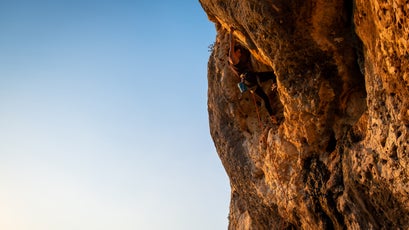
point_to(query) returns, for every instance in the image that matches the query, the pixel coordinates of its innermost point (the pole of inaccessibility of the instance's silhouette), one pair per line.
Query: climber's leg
(264, 96)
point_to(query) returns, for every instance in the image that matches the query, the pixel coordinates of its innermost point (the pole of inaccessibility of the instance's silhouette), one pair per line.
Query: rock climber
(239, 60)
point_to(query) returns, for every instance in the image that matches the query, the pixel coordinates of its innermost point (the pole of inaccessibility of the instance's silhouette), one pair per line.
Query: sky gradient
(103, 117)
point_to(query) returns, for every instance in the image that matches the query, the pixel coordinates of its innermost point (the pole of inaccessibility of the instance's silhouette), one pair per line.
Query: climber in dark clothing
(239, 59)
(252, 80)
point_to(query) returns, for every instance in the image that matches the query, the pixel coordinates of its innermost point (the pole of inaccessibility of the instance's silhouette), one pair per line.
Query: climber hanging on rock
(239, 60)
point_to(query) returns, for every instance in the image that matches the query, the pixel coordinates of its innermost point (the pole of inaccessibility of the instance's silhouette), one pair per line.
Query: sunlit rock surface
(338, 157)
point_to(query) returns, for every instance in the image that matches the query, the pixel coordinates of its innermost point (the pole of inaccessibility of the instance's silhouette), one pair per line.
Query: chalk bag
(242, 87)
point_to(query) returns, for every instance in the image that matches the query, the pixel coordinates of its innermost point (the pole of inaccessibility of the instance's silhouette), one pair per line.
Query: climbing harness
(245, 85)
(242, 86)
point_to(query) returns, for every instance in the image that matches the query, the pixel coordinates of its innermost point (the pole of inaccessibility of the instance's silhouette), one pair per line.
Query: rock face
(338, 156)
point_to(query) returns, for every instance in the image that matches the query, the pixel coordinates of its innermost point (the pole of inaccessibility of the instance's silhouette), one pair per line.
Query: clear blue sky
(103, 117)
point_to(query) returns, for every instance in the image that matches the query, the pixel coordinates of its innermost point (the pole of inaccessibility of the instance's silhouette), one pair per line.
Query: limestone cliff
(338, 156)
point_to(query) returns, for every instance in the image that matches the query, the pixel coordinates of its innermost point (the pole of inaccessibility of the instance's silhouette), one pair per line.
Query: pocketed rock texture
(338, 156)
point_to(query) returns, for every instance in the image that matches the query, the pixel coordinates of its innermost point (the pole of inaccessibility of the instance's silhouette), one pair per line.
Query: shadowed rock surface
(338, 157)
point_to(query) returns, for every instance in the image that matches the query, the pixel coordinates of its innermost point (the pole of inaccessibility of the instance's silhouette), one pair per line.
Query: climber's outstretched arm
(233, 59)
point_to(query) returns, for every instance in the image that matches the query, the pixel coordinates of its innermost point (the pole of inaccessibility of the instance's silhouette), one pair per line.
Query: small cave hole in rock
(398, 134)
(332, 143)
(383, 142)
(394, 153)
